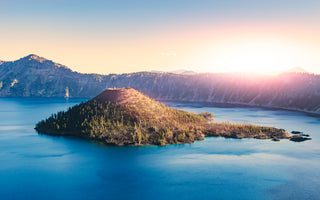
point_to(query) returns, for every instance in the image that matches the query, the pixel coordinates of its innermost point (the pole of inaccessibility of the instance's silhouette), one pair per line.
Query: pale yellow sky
(213, 37)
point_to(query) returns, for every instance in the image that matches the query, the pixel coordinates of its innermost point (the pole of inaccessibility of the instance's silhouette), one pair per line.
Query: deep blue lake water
(36, 166)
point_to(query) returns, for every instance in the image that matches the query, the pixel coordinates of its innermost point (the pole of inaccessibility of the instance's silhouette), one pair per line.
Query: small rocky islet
(127, 117)
(299, 136)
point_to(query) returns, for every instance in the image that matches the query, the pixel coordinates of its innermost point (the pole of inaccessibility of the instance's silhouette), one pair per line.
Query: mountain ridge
(294, 91)
(178, 71)
(296, 70)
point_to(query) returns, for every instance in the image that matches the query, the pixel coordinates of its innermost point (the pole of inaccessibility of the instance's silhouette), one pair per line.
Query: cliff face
(292, 90)
(35, 76)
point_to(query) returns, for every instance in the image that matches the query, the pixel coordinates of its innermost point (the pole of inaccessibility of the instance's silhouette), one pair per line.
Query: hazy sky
(100, 36)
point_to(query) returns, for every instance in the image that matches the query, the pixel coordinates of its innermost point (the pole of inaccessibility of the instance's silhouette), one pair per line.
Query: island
(127, 117)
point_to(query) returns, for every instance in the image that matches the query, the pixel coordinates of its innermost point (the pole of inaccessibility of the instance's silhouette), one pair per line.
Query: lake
(34, 166)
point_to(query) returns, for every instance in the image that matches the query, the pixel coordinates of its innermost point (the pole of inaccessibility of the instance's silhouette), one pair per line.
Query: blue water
(36, 166)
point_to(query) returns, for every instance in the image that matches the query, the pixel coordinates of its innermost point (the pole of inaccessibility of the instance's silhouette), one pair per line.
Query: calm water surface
(36, 166)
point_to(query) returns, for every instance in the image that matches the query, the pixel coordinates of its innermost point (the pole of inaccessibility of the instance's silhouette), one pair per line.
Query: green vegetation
(231, 130)
(125, 116)
(207, 115)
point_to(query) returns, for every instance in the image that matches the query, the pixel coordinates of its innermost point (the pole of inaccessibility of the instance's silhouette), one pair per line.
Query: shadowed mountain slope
(34, 76)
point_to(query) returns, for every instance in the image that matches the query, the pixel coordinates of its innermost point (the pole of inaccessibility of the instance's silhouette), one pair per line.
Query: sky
(122, 36)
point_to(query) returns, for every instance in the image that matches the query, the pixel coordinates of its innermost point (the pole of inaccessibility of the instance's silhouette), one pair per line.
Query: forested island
(127, 117)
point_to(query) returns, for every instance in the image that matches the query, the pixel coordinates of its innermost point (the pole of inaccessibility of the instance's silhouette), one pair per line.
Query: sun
(248, 55)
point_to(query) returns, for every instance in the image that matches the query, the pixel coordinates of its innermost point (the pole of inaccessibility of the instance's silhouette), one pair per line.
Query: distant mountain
(34, 76)
(157, 71)
(179, 71)
(297, 70)
(184, 72)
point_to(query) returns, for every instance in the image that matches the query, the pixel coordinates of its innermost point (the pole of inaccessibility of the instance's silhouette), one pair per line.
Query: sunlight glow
(251, 55)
